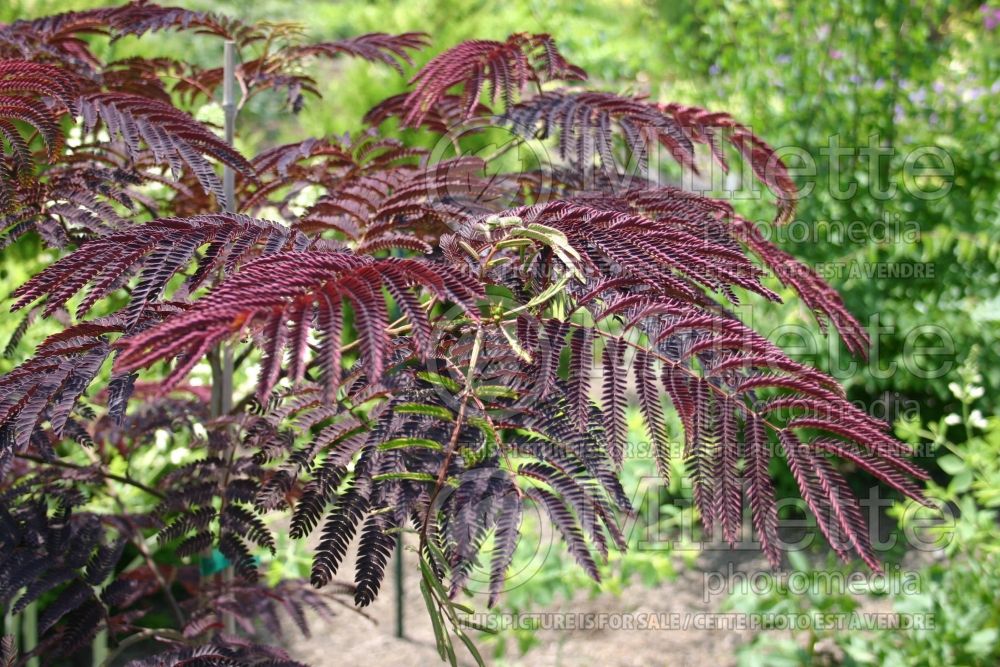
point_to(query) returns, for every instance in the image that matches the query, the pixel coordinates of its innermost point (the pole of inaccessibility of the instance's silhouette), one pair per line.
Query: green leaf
(440, 637)
(405, 443)
(485, 426)
(440, 380)
(552, 291)
(412, 476)
(951, 464)
(982, 642)
(477, 626)
(961, 482)
(515, 345)
(555, 240)
(472, 649)
(432, 579)
(492, 390)
(424, 409)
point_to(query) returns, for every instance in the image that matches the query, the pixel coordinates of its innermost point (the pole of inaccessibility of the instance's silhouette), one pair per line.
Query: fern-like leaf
(506, 66)
(174, 137)
(163, 247)
(268, 291)
(376, 47)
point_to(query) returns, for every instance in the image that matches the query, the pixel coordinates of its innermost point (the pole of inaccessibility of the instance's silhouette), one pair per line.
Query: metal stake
(398, 581)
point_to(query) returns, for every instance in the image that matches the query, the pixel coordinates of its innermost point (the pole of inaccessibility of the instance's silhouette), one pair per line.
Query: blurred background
(892, 109)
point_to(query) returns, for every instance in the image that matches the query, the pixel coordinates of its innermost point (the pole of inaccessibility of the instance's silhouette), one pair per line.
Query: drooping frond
(587, 124)
(706, 126)
(56, 38)
(163, 248)
(36, 94)
(23, 78)
(283, 68)
(734, 390)
(139, 17)
(62, 553)
(376, 47)
(717, 221)
(401, 452)
(296, 287)
(822, 299)
(188, 515)
(506, 66)
(367, 162)
(384, 196)
(656, 251)
(726, 383)
(46, 387)
(506, 535)
(76, 202)
(174, 137)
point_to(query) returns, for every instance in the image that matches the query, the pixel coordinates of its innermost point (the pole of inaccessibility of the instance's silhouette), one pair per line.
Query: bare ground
(354, 639)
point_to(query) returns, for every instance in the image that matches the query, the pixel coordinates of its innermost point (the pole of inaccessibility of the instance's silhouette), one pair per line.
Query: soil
(369, 639)
(354, 639)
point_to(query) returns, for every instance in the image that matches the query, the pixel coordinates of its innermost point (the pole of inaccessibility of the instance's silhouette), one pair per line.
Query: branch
(124, 479)
(453, 441)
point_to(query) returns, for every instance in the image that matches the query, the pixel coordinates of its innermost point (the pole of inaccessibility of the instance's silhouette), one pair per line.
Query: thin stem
(142, 636)
(222, 368)
(124, 479)
(140, 543)
(477, 346)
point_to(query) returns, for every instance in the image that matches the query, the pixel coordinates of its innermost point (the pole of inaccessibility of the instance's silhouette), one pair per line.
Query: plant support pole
(11, 626)
(221, 359)
(225, 377)
(229, 190)
(229, 109)
(29, 632)
(398, 581)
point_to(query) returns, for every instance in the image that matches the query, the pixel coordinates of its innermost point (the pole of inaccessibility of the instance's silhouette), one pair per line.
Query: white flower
(955, 389)
(952, 419)
(976, 419)
(976, 392)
